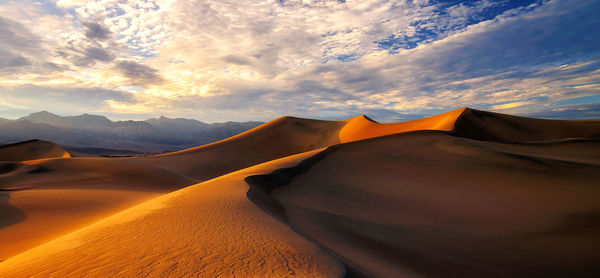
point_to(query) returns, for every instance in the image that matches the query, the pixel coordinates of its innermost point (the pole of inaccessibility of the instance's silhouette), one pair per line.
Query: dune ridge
(276, 139)
(46, 198)
(383, 204)
(361, 193)
(32, 149)
(210, 229)
(282, 137)
(362, 127)
(490, 126)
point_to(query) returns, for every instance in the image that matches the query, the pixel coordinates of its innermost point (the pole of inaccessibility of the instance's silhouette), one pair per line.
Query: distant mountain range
(97, 135)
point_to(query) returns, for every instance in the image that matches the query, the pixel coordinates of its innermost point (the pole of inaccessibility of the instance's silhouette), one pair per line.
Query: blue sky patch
(449, 16)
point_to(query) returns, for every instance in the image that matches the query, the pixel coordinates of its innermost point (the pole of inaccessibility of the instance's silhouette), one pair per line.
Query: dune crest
(279, 138)
(490, 126)
(428, 204)
(285, 136)
(209, 229)
(32, 149)
(362, 127)
(46, 198)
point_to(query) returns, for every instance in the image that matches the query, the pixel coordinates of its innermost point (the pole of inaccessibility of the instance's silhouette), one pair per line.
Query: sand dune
(43, 199)
(282, 137)
(430, 204)
(130, 181)
(362, 127)
(32, 149)
(464, 193)
(489, 126)
(276, 139)
(207, 230)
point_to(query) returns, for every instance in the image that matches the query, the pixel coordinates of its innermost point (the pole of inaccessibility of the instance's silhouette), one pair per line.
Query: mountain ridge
(98, 135)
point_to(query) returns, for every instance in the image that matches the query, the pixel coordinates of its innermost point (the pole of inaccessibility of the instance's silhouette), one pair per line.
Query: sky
(222, 60)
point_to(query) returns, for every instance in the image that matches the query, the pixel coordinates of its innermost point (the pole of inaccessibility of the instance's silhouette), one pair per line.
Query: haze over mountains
(95, 134)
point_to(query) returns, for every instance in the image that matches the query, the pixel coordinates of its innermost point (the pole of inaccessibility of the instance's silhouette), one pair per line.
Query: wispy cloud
(220, 60)
(25, 99)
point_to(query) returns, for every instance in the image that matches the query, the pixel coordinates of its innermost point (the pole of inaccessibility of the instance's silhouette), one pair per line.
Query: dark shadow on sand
(9, 215)
(259, 193)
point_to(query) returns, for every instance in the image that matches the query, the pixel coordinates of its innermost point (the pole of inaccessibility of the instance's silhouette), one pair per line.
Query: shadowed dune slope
(490, 126)
(276, 139)
(207, 230)
(43, 199)
(32, 149)
(429, 204)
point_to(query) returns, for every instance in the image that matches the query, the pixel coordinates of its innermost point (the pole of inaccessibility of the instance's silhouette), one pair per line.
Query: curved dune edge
(32, 149)
(283, 137)
(46, 198)
(491, 126)
(362, 127)
(206, 230)
(279, 138)
(298, 134)
(281, 122)
(451, 207)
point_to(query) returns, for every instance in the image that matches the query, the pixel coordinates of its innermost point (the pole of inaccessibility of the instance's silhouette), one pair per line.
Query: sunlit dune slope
(43, 199)
(32, 149)
(278, 138)
(418, 203)
(207, 230)
(282, 137)
(429, 204)
(131, 180)
(490, 126)
(361, 127)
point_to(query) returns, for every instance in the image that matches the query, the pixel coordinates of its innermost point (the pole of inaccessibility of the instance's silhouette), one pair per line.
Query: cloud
(237, 60)
(93, 30)
(512, 58)
(99, 54)
(23, 52)
(71, 3)
(589, 111)
(74, 100)
(330, 59)
(139, 74)
(510, 105)
(15, 36)
(91, 96)
(11, 60)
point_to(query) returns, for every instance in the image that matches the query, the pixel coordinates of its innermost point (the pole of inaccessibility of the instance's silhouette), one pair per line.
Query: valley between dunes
(466, 193)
